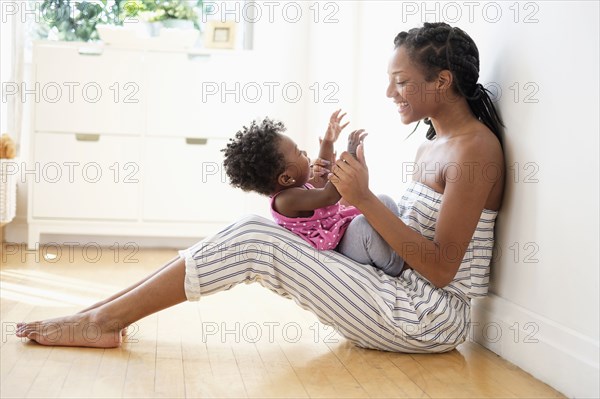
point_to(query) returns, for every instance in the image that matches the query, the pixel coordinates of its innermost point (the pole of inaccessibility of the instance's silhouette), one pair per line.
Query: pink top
(324, 229)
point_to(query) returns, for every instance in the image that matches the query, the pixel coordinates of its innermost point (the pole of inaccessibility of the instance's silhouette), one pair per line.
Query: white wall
(553, 220)
(280, 42)
(546, 269)
(299, 44)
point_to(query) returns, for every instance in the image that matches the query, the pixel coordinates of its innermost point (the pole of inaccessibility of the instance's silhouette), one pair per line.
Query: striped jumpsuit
(371, 309)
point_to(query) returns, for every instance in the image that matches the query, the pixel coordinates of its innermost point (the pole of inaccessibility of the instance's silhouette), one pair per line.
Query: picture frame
(220, 35)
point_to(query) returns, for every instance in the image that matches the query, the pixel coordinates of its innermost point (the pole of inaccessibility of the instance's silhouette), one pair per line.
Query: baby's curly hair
(253, 160)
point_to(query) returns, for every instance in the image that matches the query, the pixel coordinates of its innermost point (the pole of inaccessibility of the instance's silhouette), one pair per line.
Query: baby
(262, 159)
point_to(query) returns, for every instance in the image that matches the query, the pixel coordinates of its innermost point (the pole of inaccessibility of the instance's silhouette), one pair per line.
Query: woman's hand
(351, 176)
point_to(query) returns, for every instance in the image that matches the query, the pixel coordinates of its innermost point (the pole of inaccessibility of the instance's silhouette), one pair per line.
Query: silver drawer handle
(90, 51)
(87, 137)
(198, 57)
(192, 140)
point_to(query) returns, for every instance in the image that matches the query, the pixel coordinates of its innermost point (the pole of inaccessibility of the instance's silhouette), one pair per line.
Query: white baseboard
(16, 232)
(555, 354)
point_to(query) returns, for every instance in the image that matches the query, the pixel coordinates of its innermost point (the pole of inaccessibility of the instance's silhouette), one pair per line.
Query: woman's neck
(451, 118)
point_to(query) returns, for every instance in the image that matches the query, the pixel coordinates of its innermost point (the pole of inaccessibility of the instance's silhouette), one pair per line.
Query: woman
(444, 232)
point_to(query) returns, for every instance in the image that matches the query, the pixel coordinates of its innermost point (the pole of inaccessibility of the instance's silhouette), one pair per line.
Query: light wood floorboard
(246, 342)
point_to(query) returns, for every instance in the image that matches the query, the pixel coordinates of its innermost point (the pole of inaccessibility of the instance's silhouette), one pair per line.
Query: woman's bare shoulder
(481, 158)
(422, 147)
(478, 142)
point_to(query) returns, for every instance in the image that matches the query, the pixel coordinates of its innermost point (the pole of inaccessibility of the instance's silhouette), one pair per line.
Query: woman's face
(416, 99)
(297, 162)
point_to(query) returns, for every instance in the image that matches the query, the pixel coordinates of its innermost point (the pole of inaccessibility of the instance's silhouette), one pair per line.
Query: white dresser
(126, 141)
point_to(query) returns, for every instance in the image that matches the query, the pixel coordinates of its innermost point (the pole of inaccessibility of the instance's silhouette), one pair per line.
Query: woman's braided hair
(438, 46)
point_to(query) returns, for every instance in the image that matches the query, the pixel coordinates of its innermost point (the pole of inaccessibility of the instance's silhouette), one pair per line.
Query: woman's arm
(464, 199)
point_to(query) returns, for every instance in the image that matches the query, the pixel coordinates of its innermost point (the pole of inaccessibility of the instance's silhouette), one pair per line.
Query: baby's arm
(326, 151)
(296, 201)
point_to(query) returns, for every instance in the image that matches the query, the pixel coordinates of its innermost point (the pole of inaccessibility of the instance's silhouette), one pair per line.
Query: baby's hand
(355, 138)
(334, 128)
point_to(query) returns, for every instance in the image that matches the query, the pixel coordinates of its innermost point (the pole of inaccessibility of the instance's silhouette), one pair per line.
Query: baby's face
(297, 162)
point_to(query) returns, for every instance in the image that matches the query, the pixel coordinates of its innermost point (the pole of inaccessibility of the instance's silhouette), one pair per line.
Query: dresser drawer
(184, 181)
(81, 176)
(88, 89)
(201, 95)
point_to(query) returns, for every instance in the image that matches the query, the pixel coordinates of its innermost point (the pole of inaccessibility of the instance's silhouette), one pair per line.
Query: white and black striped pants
(366, 306)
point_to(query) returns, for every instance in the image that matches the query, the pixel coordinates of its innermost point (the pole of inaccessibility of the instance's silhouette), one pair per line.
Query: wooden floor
(245, 342)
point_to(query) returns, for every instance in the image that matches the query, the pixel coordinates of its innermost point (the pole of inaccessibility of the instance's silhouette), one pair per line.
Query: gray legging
(363, 244)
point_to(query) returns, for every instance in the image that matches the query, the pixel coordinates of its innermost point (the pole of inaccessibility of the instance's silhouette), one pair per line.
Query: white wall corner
(553, 353)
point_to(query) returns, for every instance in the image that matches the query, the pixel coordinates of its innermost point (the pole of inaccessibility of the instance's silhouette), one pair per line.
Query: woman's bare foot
(101, 327)
(123, 292)
(97, 305)
(123, 330)
(80, 329)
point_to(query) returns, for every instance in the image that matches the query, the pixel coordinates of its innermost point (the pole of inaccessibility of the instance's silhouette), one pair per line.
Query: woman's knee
(252, 219)
(249, 224)
(255, 231)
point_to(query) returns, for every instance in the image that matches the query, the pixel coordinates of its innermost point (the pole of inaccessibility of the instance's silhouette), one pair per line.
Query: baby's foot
(354, 139)
(75, 330)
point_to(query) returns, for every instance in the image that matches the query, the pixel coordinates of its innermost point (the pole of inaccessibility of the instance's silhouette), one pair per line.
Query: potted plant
(171, 13)
(174, 23)
(76, 20)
